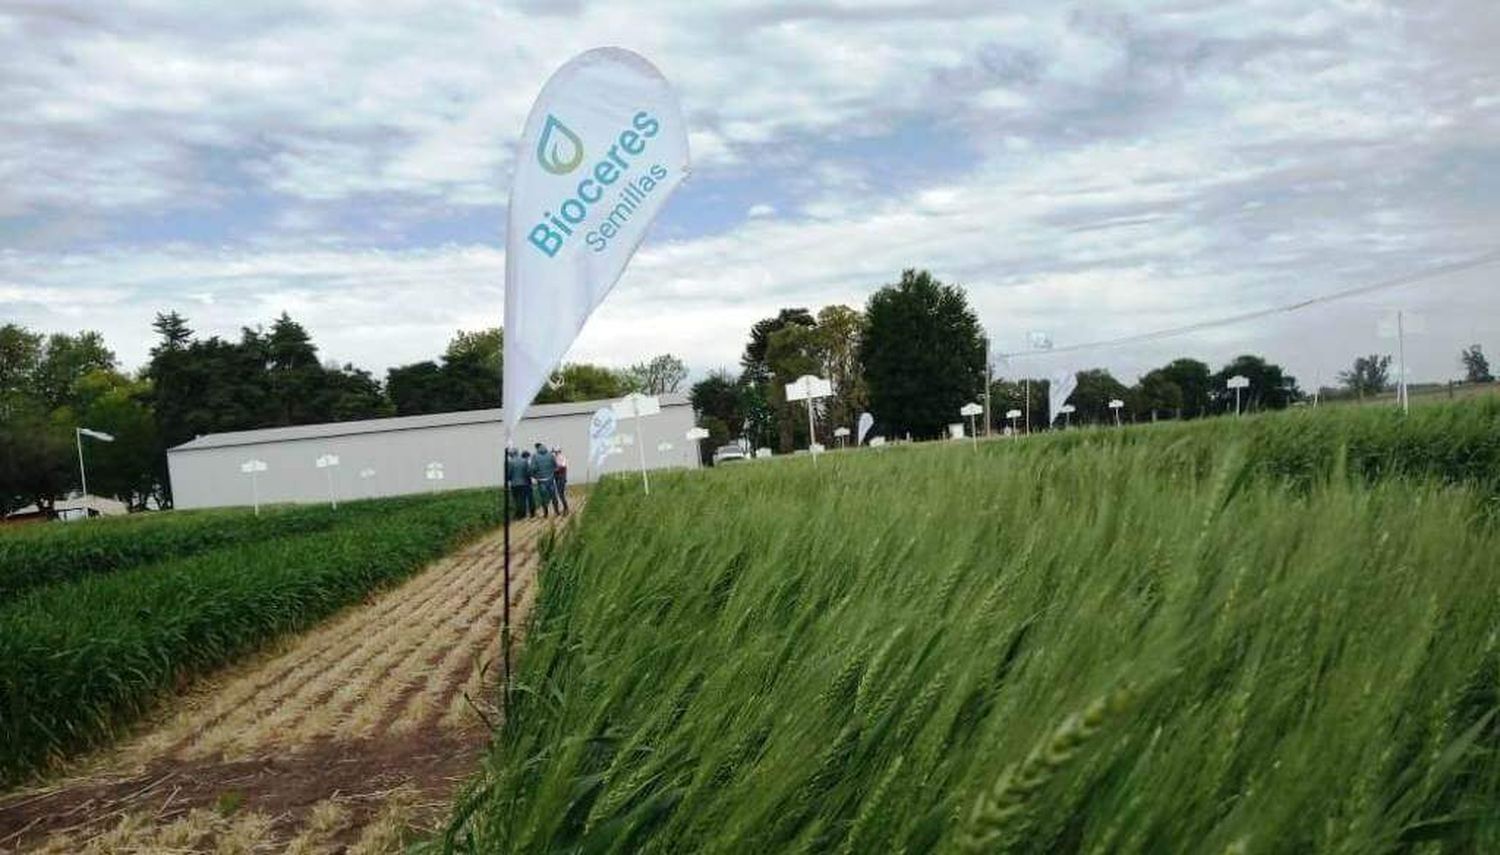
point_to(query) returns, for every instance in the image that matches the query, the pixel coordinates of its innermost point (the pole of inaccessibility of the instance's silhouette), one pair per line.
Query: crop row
(928, 649)
(37, 556)
(80, 659)
(1458, 443)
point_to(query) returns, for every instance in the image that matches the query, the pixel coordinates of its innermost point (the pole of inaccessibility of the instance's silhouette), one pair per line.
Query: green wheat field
(1275, 634)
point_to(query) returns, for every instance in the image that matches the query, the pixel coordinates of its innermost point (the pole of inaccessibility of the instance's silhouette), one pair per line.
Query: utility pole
(989, 381)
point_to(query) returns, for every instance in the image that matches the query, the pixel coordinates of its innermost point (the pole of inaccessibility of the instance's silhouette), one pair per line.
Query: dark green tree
(840, 331)
(65, 359)
(1159, 395)
(923, 355)
(657, 376)
(719, 401)
(753, 362)
(132, 468)
(1096, 388)
(1271, 388)
(582, 381)
(792, 352)
(1194, 380)
(1370, 375)
(1476, 366)
(1007, 395)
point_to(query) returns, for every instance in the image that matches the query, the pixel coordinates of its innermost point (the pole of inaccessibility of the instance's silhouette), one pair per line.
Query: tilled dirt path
(347, 738)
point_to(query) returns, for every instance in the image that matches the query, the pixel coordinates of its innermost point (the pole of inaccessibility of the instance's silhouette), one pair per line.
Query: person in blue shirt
(518, 480)
(544, 471)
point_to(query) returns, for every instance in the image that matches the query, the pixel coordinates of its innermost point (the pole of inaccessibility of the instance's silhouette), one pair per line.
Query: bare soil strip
(348, 738)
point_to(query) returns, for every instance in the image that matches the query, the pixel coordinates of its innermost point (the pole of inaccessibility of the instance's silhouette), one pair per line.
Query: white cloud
(1119, 170)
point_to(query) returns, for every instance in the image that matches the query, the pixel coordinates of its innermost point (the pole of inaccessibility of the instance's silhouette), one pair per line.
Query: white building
(388, 457)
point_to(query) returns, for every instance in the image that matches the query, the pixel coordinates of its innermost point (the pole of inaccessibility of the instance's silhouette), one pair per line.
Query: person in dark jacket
(518, 479)
(530, 483)
(544, 471)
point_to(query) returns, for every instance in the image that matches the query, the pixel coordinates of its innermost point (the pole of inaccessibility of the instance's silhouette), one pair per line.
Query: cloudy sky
(1092, 170)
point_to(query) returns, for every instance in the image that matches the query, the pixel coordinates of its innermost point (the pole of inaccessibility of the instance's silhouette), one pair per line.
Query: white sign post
(1117, 405)
(327, 463)
(696, 436)
(1013, 415)
(971, 410)
(841, 434)
(434, 474)
(1238, 382)
(637, 406)
(807, 388)
(1067, 411)
(253, 468)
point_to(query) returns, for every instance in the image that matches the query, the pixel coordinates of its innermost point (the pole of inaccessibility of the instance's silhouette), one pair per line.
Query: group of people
(537, 479)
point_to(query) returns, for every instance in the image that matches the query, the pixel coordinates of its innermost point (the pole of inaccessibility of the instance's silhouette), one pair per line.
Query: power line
(1409, 279)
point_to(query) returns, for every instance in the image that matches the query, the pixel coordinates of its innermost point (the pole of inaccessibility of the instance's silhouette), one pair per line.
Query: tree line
(915, 354)
(912, 356)
(192, 386)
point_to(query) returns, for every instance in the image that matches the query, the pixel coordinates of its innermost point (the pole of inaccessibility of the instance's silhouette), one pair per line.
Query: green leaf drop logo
(561, 154)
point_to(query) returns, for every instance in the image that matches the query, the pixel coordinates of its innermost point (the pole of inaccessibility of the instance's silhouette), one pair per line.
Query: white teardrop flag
(603, 149)
(1059, 391)
(866, 421)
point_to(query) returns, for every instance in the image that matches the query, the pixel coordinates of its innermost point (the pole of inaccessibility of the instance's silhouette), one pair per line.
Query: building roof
(332, 429)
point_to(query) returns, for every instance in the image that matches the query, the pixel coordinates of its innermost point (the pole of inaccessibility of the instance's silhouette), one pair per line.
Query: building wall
(470, 453)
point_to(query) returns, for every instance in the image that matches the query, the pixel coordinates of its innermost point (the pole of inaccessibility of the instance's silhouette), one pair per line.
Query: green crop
(78, 660)
(1458, 443)
(1099, 644)
(40, 555)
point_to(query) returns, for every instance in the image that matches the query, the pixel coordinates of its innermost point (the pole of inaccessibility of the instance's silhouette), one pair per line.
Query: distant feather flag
(1059, 391)
(602, 151)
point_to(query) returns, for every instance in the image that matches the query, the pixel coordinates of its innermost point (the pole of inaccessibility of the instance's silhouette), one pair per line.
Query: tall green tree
(20, 356)
(582, 381)
(1160, 395)
(486, 346)
(840, 332)
(753, 363)
(132, 468)
(1370, 375)
(65, 360)
(659, 375)
(792, 352)
(1271, 388)
(1194, 380)
(719, 402)
(1476, 366)
(1096, 388)
(923, 354)
(1007, 395)
(36, 456)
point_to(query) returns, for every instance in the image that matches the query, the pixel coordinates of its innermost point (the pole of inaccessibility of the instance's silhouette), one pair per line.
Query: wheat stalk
(999, 817)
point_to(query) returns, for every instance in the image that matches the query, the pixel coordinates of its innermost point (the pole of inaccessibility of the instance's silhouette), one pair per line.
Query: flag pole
(505, 612)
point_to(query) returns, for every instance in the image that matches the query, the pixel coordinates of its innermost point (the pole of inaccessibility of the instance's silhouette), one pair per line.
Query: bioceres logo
(559, 150)
(622, 166)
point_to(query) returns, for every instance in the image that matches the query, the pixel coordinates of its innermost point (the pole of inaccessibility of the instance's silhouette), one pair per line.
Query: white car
(727, 453)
